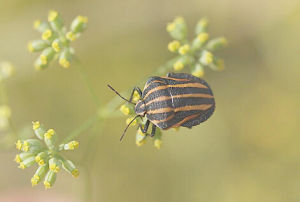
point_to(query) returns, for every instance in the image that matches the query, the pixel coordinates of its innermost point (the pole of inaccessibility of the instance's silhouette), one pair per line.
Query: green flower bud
(32, 145)
(54, 164)
(65, 58)
(38, 64)
(39, 174)
(79, 24)
(27, 162)
(40, 26)
(217, 44)
(50, 138)
(202, 26)
(140, 138)
(200, 40)
(55, 20)
(41, 158)
(47, 55)
(22, 156)
(57, 45)
(49, 179)
(177, 29)
(70, 167)
(37, 45)
(217, 65)
(71, 145)
(198, 70)
(38, 129)
(206, 57)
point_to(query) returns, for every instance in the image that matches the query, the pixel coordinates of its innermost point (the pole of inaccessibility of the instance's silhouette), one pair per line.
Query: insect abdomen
(178, 100)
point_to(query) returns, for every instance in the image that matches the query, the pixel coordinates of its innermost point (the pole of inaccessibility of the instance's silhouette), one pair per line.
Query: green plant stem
(86, 81)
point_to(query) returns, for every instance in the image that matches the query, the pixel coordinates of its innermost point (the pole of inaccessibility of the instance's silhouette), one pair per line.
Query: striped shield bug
(179, 99)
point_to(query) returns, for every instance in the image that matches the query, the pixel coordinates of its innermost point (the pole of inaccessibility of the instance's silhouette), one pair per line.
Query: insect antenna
(128, 127)
(119, 94)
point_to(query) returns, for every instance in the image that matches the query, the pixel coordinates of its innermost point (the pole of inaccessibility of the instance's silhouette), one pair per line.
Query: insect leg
(135, 89)
(145, 129)
(153, 130)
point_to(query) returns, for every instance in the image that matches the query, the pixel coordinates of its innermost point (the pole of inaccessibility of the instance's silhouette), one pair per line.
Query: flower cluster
(128, 109)
(198, 53)
(46, 153)
(56, 40)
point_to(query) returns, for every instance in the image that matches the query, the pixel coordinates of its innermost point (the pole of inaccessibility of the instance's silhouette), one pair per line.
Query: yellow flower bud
(171, 27)
(173, 46)
(157, 143)
(47, 34)
(125, 110)
(203, 37)
(71, 36)
(184, 49)
(178, 66)
(52, 15)
(128, 120)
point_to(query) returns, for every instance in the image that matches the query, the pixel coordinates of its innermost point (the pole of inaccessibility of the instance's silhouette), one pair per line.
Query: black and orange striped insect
(179, 99)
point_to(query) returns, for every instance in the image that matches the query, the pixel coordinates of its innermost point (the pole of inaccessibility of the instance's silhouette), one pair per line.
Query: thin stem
(86, 81)
(83, 127)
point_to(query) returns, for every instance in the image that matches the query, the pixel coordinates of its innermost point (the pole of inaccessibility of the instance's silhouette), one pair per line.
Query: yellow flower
(141, 142)
(36, 125)
(71, 36)
(64, 62)
(128, 120)
(157, 143)
(19, 145)
(178, 66)
(49, 134)
(206, 57)
(55, 46)
(203, 37)
(184, 49)
(173, 46)
(124, 109)
(75, 173)
(47, 34)
(52, 15)
(171, 27)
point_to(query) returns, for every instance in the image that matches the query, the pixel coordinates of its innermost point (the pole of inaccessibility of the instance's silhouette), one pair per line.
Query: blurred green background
(247, 151)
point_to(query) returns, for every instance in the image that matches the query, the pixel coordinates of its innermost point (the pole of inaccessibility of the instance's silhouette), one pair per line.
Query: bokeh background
(247, 151)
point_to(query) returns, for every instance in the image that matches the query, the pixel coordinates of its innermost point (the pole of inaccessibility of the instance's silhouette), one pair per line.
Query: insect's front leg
(132, 93)
(145, 129)
(153, 130)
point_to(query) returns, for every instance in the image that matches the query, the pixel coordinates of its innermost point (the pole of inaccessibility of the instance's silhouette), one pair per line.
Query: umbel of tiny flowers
(141, 138)
(199, 52)
(56, 40)
(45, 152)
